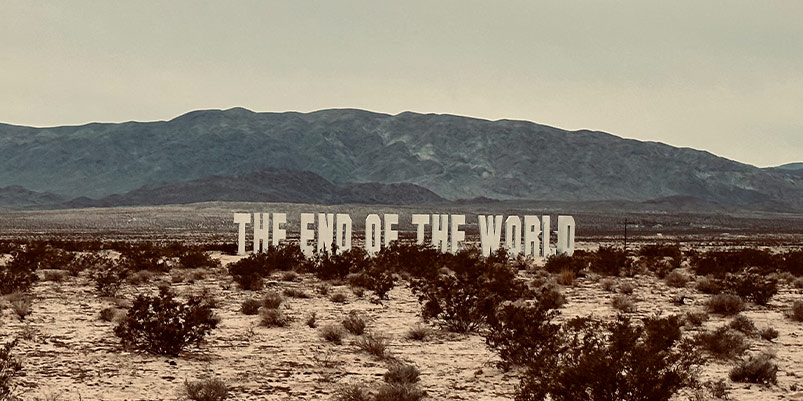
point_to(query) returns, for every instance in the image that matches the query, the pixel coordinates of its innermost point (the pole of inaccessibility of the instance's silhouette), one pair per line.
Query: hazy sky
(724, 76)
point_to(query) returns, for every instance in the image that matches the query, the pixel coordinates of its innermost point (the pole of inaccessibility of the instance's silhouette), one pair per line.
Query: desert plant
(358, 292)
(338, 297)
(19, 274)
(140, 277)
(401, 373)
(332, 333)
(110, 314)
(312, 320)
(723, 342)
(725, 304)
(163, 325)
(376, 278)
(55, 275)
(399, 392)
(608, 261)
(109, 276)
(755, 369)
(206, 390)
(623, 303)
(354, 323)
(560, 263)
(708, 285)
(196, 259)
(796, 312)
(752, 286)
(289, 276)
(522, 332)
(352, 392)
(273, 318)
(10, 368)
(250, 306)
(626, 288)
(676, 279)
(550, 296)
(21, 307)
(417, 333)
(272, 300)
(768, 333)
(743, 324)
(374, 345)
(566, 277)
(696, 318)
(294, 293)
(607, 284)
(337, 265)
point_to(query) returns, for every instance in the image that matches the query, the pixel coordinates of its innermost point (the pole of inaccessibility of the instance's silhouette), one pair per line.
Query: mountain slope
(16, 196)
(456, 157)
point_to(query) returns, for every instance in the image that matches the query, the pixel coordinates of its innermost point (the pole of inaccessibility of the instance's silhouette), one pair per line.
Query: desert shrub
(352, 392)
(332, 333)
(613, 361)
(10, 368)
(521, 331)
(338, 297)
(19, 274)
(399, 392)
(550, 296)
(768, 333)
(273, 318)
(56, 276)
(144, 256)
(753, 286)
(374, 345)
(793, 262)
(757, 369)
(719, 263)
(110, 314)
(289, 276)
(743, 324)
(109, 276)
(723, 342)
(417, 333)
(88, 261)
(21, 307)
(626, 288)
(796, 312)
(249, 272)
(322, 289)
(676, 279)
(295, 293)
(696, 318)
(607, 284)
(401, 373)
(163, 325)
(566, 277)
(140, 277)
(608, 261)
(196, 259)
(562, 262)
(358, 292)
(468, 290)
(376, 278)
(725, 304)
(206, 390)
(354, 323)
(708, 285)
(272, 300)
(337, 265)
(312, 320)
(418, 261)
(623, 303)
(250, 306)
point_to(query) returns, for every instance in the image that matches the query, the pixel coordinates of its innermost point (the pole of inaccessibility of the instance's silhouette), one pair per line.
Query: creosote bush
(108, 276)
(676, 279)
(332, 333)
(206, 390)
(250, 272)
(768, 333)
(623, 303)
(752, 286)
(796, 312)
(354, 323)
(251, 306)
(272, 300)
(759, 369)
(373, 344)
(10, 368)
(273, 318)
(164, 325)
(725, 304)
(743, 324)
(708, 285)
(723, 342)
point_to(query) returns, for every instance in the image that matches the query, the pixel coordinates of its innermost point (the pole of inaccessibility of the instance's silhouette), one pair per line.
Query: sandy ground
(68, 351)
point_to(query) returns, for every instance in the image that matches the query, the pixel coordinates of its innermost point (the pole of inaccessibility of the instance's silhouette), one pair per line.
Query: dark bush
(163, 325)
(574, 263)
(609, 261)
(249, 272)
(338, 265)
(375, 278)
(273, 318)
(401, 373)
(723, 342)
(250, 306)
(743, 324)
(708, 285)
(374, 345)
(719, 263)
(676, 279)
(19, 274)
(354, 323)
(399, 392)
(418, 261)
(753, 286)
(109, 276)
(332, 333)
(196, 259)
(144, 256)
(793, 262)
(206, 390)
(757, 369)
(725, 304)
(768, 333)
(9, 370)
(352, 392)
(613, 361)
(660, 251)
(522, 331)
(796, 312)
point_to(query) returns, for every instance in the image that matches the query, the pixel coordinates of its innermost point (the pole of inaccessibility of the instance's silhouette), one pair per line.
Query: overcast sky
(724, 76)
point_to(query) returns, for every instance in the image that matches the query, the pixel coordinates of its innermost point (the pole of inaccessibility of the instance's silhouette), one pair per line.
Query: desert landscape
(311, 330)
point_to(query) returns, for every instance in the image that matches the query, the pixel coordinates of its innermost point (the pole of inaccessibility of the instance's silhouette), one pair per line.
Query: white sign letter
(420, 220)
(307, 234)
(279, 233)
(457, 235)
(373, 233)
(490, 233)
(241, 219)
(343, 238)
(391, 234)
(532, 227)
(566, 235)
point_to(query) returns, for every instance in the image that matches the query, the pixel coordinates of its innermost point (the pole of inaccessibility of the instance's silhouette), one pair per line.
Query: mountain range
(356, 156)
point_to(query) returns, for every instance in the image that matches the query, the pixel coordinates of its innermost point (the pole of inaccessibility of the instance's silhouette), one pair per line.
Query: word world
(319, 231)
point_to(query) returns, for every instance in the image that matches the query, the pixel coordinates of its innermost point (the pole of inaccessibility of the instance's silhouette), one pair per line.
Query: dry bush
(338, 297)
(743, 324)
(312, 320)
(566, 277)
(109, 276)
(399, 392)
(417, 333)
(250, 306)
(250, 272)
(358, 291)
(401, 373)
(289, 276)
(322, 289)
(374, 345)
(676, 279)
(22, 307)
(708, 285)
(752, 286)
(10, 368)
(796, 312)
(354, 323)
(352, 392)
(696, 318)
(607, 284)
(111, 314)
(623, 303)
(723, 342)
(273, 318)
(626, 288)
(332, 333)
(759, 369)
(140, 277)
(206, 390)
(56, 276)
(798, 283)
(272, 300)
(196, 259)
(768, 333)
(725, 304)
(165, 326)
(295, 293)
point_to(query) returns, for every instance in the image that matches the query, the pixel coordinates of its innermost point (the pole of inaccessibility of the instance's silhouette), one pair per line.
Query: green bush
(165, 326)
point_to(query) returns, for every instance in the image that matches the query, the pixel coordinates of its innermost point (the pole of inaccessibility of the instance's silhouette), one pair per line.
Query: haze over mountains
(355, 156)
